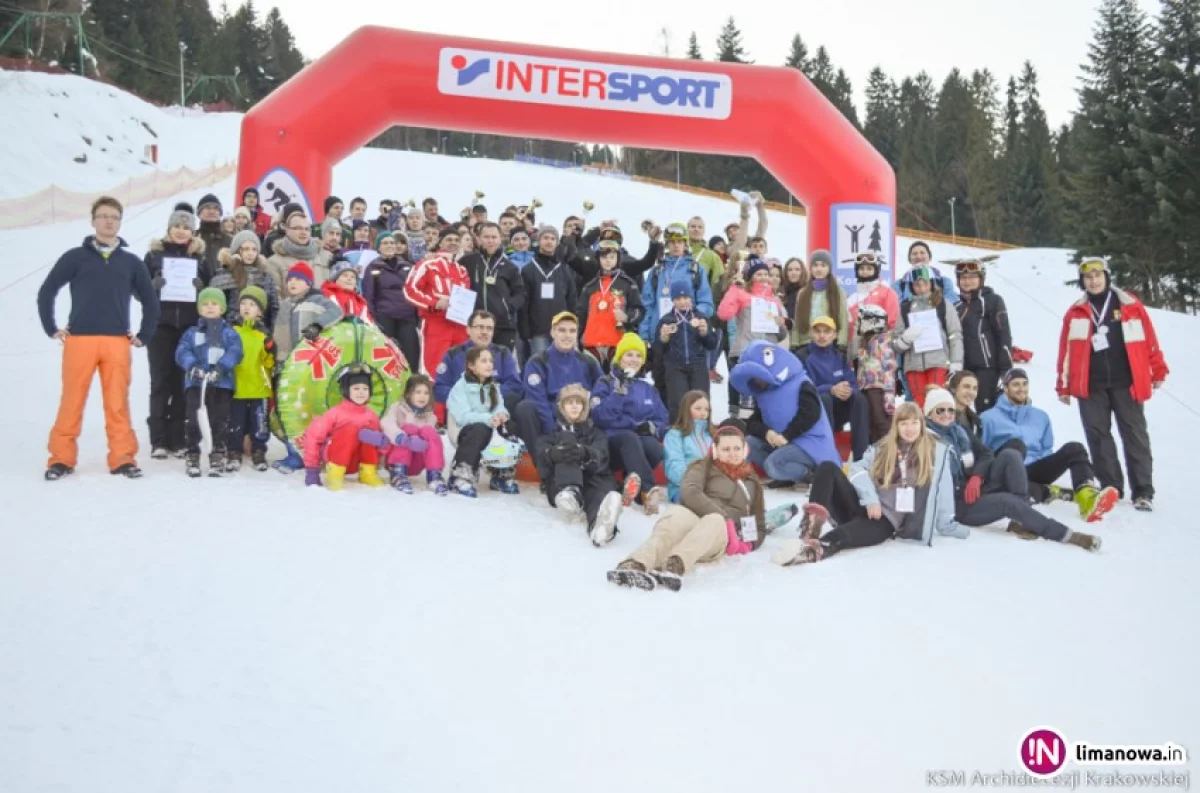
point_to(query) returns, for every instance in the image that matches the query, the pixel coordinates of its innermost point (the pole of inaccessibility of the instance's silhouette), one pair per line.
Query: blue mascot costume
(789, 433)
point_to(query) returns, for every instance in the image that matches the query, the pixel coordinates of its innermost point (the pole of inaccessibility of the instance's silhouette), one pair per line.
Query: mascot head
(766, 367)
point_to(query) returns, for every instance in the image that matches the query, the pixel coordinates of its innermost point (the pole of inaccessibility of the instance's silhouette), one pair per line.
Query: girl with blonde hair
(903, 487)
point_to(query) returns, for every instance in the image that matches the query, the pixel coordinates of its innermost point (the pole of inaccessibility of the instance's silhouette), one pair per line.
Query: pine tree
(729, 44)
(983, 168)
(882, 124)
(693, 50)
(1171, 139)
(798, 55)
(842, 96)
(157, 20)
(952, 119)
(1037, 164)
(917, 196)
(285, 60)
(1115, 208)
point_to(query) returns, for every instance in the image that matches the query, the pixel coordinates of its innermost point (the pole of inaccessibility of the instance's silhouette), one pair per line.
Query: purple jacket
(383, 287)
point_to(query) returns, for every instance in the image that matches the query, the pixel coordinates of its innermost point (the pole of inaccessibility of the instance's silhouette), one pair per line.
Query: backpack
(696, 274)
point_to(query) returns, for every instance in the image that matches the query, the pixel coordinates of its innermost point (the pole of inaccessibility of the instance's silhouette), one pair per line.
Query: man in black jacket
(987, 340)
(499, 288)
(208, 210)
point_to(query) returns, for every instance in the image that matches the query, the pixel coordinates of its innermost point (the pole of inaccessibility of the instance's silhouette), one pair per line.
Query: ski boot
(605, 527)
(290, 464)
(653, 499)
(567, 501)
(400, 481)
(58, 471)
(369, 475)
(159, 453)
(780, 516)
(631, 573)
(462, 480)
(630, 489)
(193, 465)
(670, 575)
(127, 470)
(1088, 542)
(813, 522)
(335, 476)
(1020, 531)
(258, 459)
(1143, 504)
(233, 463)
(1058, 493)
(502, 480)
(434, 480)
(216, 464)
(1094, 503)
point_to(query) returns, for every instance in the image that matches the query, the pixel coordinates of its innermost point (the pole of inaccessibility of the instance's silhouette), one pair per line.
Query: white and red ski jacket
(433, 279)
(1146, 360)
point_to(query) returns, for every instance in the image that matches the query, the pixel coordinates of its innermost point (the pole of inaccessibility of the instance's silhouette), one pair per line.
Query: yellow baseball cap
(826, 321)
(564, 316)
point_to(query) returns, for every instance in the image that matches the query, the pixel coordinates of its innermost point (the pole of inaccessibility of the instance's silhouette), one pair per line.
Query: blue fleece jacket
(454, 363)
(1006, 421)
(680, 451)
(212, 344)
(101, 284)
(620, 403)
(671, 271)
(547, 373)
(827, 367)
(687, 346)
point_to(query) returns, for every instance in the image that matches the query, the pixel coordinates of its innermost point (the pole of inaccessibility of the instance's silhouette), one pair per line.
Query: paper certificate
(178, 274)
(762, 316)
(931, 331)
(462, 304)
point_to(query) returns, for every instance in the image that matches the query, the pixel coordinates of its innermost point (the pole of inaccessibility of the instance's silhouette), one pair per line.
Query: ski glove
(312, 477)
(401, 440)
(910, 335)
(199, 284)
(417, 445)
(311, 332)
(647, 428)
(735, 545)
(974, 485)
(373, 438)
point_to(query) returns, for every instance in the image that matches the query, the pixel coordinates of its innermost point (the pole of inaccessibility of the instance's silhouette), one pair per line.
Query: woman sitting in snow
(722, 512)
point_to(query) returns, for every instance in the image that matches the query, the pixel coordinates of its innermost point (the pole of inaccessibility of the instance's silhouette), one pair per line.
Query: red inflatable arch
(379, 77)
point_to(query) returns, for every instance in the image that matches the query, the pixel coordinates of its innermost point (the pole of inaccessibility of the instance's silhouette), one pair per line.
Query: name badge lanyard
(490, 270)
(546, 276)
(749, 523)
(602, 304)
(1099, 318)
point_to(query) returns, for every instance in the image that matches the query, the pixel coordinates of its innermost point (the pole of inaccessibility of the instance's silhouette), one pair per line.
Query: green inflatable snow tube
(307, 385)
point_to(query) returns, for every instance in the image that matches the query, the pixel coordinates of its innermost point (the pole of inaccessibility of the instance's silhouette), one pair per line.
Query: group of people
(595, 361)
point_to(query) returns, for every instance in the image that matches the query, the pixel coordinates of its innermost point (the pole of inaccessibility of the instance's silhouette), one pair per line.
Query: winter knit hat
(681, 289)
(255, 293)
(1015, 373)
(340, 266)
(331, 224)
(181, 218)
(754, 265)
(629, 342)
(302, 271)
(210, 295)
(384, 235)
(518, 232)
(184, 206)
(289, 210)
(821, 255)
(330, 201)
(248, 191)
(243, 237)
(937, 398)
(358, 224)
(577, 392)
(243, 212)
(208, 200)
(545, 229)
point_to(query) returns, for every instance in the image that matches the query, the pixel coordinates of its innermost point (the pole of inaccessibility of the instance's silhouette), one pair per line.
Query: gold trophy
(588, 206)
(533, 205)
(478, 195)
(652, 231)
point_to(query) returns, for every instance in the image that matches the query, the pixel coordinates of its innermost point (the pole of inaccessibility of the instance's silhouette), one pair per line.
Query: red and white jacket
(1141, 344)
(880, 295)
(434, 278)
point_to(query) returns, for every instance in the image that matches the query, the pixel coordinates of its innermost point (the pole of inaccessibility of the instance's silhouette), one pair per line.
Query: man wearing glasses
(102, 276)
(297, 245)
(481, 329)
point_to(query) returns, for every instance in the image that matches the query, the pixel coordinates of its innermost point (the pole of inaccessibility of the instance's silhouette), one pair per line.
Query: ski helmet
(866, 259)
(501, 453)
(675, 231)
(1092, 264)
(355, 374)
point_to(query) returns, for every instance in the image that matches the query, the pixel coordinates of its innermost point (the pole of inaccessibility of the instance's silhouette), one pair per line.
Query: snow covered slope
(246, 634)
(49, 120)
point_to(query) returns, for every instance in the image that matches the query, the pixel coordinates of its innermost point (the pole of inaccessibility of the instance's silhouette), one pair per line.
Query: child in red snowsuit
(411, 426)
(428, 288)
(347, 436)
(342, 288)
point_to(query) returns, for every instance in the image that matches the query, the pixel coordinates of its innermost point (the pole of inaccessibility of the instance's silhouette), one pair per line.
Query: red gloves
(735, 545)
(974, 485)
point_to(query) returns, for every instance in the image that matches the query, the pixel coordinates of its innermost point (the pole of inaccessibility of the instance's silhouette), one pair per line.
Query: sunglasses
(943, 411)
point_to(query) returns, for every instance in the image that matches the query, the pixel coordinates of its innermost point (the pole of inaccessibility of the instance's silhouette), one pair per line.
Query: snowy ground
(246, 634)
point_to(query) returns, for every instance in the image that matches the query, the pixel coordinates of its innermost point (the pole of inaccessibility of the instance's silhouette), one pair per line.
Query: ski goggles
(969, 267)
(866, 257)
(608, 246)
(675, 231)
(1093, 264)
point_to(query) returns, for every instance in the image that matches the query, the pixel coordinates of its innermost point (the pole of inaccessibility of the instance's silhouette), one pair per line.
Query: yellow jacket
(252, 377)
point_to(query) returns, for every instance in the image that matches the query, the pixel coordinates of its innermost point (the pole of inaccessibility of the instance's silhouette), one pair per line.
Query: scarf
(737, 472)
(304, 252)
(819, 284)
